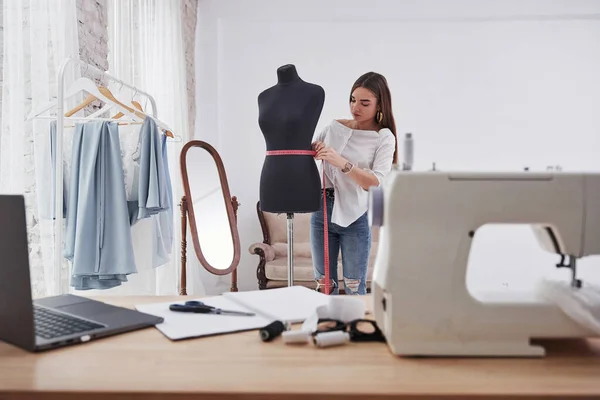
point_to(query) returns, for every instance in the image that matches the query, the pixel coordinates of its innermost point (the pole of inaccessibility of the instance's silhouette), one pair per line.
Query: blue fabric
(98, 234)
(163, 222)
(354, 242)
(153, 195)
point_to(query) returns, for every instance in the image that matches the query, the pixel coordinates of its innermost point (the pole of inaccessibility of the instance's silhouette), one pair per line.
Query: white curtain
(146, 50)
(38, 36)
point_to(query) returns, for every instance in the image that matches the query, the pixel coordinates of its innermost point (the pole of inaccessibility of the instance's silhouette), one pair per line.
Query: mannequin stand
(290, 240)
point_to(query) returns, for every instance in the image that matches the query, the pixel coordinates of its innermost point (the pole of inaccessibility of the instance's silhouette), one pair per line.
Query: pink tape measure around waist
(325, 227)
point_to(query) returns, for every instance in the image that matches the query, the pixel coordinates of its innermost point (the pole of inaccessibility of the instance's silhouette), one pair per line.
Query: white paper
(182, 325)
(288, 304)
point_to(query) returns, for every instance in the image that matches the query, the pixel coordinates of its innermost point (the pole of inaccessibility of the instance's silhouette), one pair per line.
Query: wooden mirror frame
(231, 205)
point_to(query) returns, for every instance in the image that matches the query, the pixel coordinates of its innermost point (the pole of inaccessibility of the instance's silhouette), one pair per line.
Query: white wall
(483, 85)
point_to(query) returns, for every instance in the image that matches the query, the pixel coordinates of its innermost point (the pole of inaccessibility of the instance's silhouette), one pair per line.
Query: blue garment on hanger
(98, 234)
(163, 222)
(152, 193)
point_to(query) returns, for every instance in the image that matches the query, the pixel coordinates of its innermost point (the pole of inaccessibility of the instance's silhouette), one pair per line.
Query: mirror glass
(211, 218)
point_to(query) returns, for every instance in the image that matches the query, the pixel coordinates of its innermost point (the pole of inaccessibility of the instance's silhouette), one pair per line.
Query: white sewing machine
(428, 220)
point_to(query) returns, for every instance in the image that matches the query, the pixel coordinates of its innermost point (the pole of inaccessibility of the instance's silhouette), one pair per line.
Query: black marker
(273, 330)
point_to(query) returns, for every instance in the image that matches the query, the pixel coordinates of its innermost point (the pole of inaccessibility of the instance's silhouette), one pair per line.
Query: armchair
(271, 271)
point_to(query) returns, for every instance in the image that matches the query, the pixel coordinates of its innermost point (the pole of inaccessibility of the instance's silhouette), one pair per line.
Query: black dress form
(287, 115)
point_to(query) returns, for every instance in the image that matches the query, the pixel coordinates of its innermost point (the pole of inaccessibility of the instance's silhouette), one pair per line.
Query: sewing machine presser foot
(572, 265)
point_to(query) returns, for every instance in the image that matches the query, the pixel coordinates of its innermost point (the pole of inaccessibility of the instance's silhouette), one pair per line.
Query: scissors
(199, 307)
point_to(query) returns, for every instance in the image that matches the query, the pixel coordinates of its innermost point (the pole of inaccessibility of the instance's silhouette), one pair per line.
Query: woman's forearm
(364, 178)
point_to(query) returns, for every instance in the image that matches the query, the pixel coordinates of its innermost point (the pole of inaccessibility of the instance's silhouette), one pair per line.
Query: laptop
(50, 322)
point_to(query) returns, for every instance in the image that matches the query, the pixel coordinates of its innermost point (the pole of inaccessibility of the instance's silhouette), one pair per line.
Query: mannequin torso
(288, 116)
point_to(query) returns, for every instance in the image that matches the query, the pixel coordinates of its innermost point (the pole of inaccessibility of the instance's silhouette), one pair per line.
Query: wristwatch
(348, 167)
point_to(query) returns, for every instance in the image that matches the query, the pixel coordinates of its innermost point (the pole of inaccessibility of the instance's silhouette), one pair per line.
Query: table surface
(145, 364)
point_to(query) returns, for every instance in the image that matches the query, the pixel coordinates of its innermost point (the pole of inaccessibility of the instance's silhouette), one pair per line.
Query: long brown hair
(377, 84)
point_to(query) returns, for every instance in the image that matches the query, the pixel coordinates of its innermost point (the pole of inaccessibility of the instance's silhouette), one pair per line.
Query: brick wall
(189, 15)
(92, 21)
(93, 32)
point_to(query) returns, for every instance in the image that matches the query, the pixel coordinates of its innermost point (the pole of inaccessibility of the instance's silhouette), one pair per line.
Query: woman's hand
(330, 155)
(316, 146)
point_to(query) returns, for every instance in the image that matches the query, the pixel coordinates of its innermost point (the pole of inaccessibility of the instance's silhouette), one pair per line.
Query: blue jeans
(354, 242)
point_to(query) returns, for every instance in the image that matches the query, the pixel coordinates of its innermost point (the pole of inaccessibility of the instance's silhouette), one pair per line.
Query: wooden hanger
(106, 92)
(111, 97)
(135, 104)
(87, 85)
(108, 106)
(88, 100)
(120, 114)
(99, 93)
(139, 107)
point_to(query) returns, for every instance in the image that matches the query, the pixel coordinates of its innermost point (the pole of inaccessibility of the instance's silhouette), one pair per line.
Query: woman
(356, 155)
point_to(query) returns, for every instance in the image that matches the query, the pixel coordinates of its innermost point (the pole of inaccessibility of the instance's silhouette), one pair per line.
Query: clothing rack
(60, 116)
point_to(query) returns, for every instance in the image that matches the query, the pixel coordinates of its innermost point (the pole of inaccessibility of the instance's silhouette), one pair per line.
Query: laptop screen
(16, 307)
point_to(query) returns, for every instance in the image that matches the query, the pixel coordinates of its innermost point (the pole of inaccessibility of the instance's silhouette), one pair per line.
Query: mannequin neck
(287, 74)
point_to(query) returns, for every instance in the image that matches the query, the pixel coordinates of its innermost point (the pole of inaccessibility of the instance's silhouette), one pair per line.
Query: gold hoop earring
(379, 117)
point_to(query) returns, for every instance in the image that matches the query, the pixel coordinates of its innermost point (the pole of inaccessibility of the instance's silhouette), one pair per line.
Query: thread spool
(408, 152)
(273, 330)
(296, 337)
(332, 338)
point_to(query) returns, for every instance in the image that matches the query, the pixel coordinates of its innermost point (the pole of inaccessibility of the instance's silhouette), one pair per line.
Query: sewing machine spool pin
(572, 265)
(407, 164)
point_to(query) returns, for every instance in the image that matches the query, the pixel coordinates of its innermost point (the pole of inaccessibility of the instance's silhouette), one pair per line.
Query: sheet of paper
(183, 325)
(292, 304)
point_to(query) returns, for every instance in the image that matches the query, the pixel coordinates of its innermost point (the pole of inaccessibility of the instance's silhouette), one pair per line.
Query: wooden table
(146, 365)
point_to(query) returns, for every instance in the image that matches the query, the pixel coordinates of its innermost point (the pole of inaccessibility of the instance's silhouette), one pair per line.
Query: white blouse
(369, 150)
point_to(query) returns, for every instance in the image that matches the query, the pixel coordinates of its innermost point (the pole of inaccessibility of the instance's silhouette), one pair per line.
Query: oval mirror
(210, 211)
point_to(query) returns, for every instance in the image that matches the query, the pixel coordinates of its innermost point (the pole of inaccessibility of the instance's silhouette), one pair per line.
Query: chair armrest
(266, 248)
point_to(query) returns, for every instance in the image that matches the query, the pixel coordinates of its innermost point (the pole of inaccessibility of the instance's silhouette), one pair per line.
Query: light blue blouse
(98, 235)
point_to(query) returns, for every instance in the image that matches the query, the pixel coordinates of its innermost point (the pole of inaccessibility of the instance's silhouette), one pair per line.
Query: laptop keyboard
(50, 324)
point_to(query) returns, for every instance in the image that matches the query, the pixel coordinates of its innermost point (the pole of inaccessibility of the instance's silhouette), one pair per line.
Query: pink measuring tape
(326, 230)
